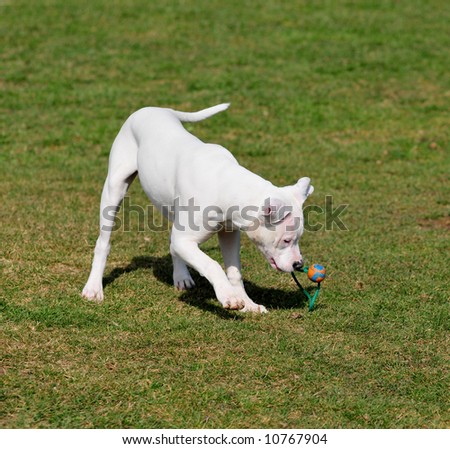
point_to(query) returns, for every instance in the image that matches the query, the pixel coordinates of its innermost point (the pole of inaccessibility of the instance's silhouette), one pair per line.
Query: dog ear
(305, 188)
(275, 211)
(301, 190)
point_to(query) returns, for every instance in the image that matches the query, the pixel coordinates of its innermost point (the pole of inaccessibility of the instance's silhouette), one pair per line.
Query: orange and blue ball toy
(316, 273)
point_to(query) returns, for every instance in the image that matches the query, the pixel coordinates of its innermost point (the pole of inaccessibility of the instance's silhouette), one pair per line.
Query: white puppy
(203, 190)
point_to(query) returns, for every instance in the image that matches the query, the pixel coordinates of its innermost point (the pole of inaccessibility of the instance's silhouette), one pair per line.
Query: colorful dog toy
(316, 273)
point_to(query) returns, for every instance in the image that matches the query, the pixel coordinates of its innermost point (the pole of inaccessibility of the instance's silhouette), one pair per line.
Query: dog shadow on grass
(202, 295)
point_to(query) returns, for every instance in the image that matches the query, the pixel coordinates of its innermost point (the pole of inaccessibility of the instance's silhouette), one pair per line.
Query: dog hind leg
(121, 173)
(182, 279)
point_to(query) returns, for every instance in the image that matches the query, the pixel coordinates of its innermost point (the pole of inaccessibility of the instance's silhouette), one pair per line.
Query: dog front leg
(230, 242)
(188, 250)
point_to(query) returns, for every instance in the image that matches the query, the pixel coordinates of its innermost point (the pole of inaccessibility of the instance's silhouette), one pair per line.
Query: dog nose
(298, 265)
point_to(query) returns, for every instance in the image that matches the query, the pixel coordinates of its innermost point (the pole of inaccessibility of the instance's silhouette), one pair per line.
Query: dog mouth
(273, 264)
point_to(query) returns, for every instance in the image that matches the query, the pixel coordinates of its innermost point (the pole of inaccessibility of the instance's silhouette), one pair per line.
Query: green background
(354, 94)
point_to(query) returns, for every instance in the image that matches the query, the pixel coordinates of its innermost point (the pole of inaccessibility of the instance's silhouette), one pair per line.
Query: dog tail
(200, 115)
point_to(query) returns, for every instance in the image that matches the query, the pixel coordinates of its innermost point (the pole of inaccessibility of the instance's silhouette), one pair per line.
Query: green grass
(354, 94)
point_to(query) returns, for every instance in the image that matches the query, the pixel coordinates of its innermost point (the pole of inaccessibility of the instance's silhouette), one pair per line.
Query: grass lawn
(354, 94)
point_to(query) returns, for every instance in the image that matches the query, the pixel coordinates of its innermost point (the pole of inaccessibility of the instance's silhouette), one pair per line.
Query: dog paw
(234, 303)
(94, 294)
(254, 308)
(184, 284)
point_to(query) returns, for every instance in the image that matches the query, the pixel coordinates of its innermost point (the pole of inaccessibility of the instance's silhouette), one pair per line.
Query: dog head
(279, 226)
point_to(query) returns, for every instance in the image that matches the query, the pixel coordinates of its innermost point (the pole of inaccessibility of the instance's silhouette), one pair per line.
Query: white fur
(175, 166)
